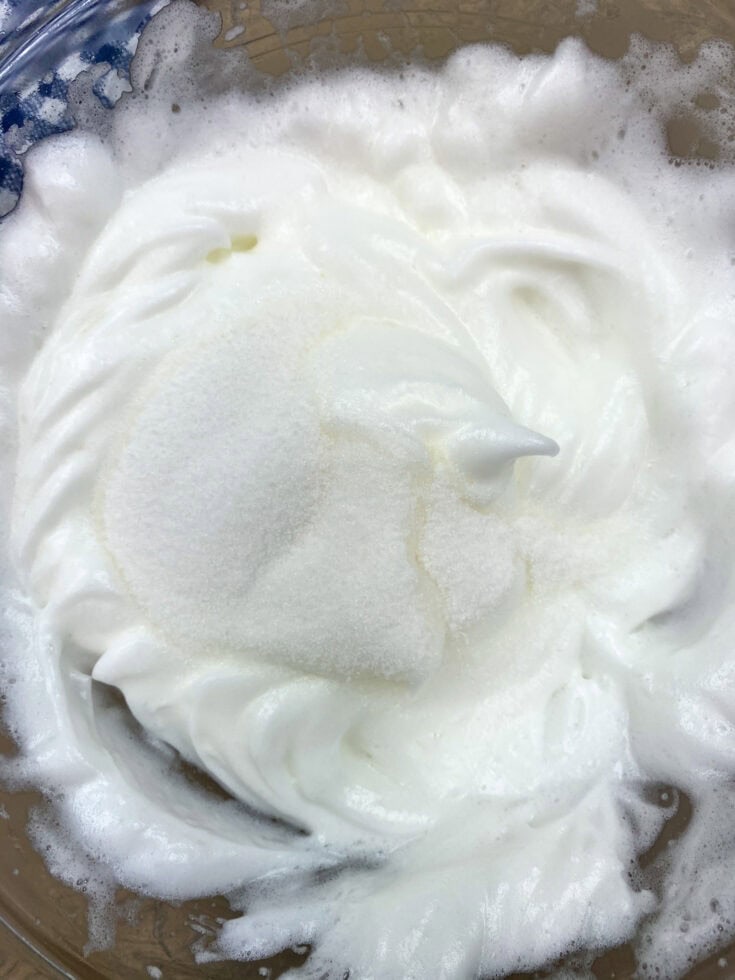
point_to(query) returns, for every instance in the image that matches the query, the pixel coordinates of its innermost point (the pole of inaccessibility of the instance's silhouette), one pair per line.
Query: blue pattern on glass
(43, 47)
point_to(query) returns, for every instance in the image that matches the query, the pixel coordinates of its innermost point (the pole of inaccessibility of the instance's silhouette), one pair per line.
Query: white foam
(291, 369)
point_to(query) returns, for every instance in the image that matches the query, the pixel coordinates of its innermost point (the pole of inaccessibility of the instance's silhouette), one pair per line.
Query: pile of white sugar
(374, 436)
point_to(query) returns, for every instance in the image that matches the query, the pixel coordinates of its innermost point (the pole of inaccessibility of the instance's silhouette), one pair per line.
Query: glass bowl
(44, 923)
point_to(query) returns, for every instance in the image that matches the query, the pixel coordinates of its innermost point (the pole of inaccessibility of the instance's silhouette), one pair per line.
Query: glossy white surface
(287, 477)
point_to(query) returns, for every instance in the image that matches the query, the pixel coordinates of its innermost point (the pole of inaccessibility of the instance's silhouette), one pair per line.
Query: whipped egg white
(378, 449)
